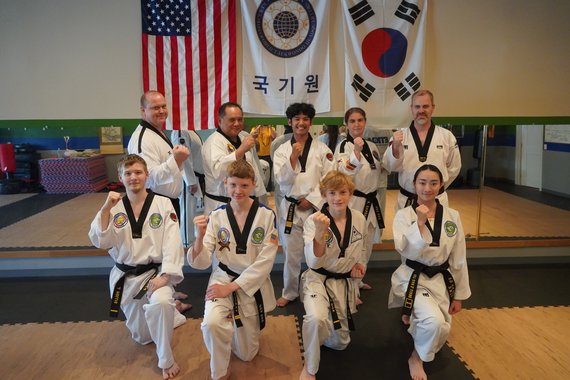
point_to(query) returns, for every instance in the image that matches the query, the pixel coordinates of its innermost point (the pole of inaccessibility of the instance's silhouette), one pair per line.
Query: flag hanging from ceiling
(189, 54)
(285, 55)
(384, 42)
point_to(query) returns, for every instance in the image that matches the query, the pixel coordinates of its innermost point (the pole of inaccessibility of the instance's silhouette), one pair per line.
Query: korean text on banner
(285, 55)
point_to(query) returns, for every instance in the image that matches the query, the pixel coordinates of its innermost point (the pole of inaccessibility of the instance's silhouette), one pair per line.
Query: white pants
(293, 248)
(318, 327)
(430, 324)
(153, 320)
(188, 210)
(222, 336)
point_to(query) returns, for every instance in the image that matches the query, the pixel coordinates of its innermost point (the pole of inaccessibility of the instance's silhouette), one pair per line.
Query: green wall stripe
(90, 127)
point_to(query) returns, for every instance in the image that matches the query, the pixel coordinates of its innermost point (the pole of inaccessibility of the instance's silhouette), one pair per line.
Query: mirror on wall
(526, 192)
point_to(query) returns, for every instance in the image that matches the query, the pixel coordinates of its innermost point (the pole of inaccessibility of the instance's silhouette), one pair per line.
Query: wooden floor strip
(514, 343)
(506, 215)
(105, 350)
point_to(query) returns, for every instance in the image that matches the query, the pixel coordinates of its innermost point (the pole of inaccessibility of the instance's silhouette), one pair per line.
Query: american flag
(189, 54)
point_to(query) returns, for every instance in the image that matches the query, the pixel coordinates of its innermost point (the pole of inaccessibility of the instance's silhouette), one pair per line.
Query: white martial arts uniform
(318, 326)
(430, 321)
(443, 152)
(191, 203)
(221, 335)
(277, 195)
(149, 319)
(365, 174)
(165, 178)
(297, 184)
(217, 154)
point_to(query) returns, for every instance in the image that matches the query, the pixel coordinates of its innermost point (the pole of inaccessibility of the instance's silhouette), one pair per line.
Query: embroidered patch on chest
(329, 237)
(224, 238)
(120, 220)
(231, 148)
(258, 235)
(155, 220)
(450, 228)
(355, 236)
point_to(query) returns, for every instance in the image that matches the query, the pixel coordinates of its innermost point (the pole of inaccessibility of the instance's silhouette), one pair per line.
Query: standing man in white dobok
(226, 145)
(165, 161)
(422, 143)
(299, 165)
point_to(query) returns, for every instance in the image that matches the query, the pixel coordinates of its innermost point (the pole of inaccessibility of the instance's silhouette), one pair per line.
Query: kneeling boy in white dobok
(335, 251)
(142, 234)
(432, 280)
(240, 241)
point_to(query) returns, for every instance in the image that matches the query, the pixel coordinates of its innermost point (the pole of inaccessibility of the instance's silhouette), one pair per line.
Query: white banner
(384, 42)
(285, 55)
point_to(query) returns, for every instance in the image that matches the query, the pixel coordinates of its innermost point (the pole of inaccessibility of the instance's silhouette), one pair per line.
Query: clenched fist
(112, 199)
(181, 154)
(322, 223)
(201, 222)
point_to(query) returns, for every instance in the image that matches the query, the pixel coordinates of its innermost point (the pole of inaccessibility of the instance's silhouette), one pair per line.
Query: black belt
(257, 295)
(371, 200)
(130, 270)
(201, 181)
(218, 198)
(430, 272)
(334, 314)
(290, 214)
(411, 196)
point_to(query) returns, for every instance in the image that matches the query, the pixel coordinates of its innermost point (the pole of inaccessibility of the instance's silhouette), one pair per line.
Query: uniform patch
(274, 239)
(450, 228)
(355, 236)
(376, 155)
(120, 220)
(349, 166)
(173, 217)
(439, 146)
(330, 157)
(231, 148)
(329, 237)
(155, 220)
(406, 146)
(224, 238)
(258, 235)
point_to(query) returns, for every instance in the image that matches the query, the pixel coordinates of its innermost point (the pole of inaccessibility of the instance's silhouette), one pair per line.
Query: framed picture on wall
(111, 140)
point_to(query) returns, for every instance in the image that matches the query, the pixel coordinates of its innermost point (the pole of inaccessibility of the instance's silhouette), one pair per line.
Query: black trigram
(407, 11)
(365, 90)
(361, 12)
(412, 81)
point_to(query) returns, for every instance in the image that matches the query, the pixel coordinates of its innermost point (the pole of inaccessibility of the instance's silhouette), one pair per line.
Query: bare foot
(305, 375)
(182, 307)
(282, 302)
(359, 301)
(180, 296)
(406, 319)
(416, 367)
(169, 373)
(365, 286)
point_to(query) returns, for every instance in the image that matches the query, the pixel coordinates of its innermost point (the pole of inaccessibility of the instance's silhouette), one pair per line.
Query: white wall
(80, 59)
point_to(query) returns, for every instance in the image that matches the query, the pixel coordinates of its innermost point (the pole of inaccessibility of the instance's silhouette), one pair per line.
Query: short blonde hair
(131, 159)
(335, 180)
(241, 169)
